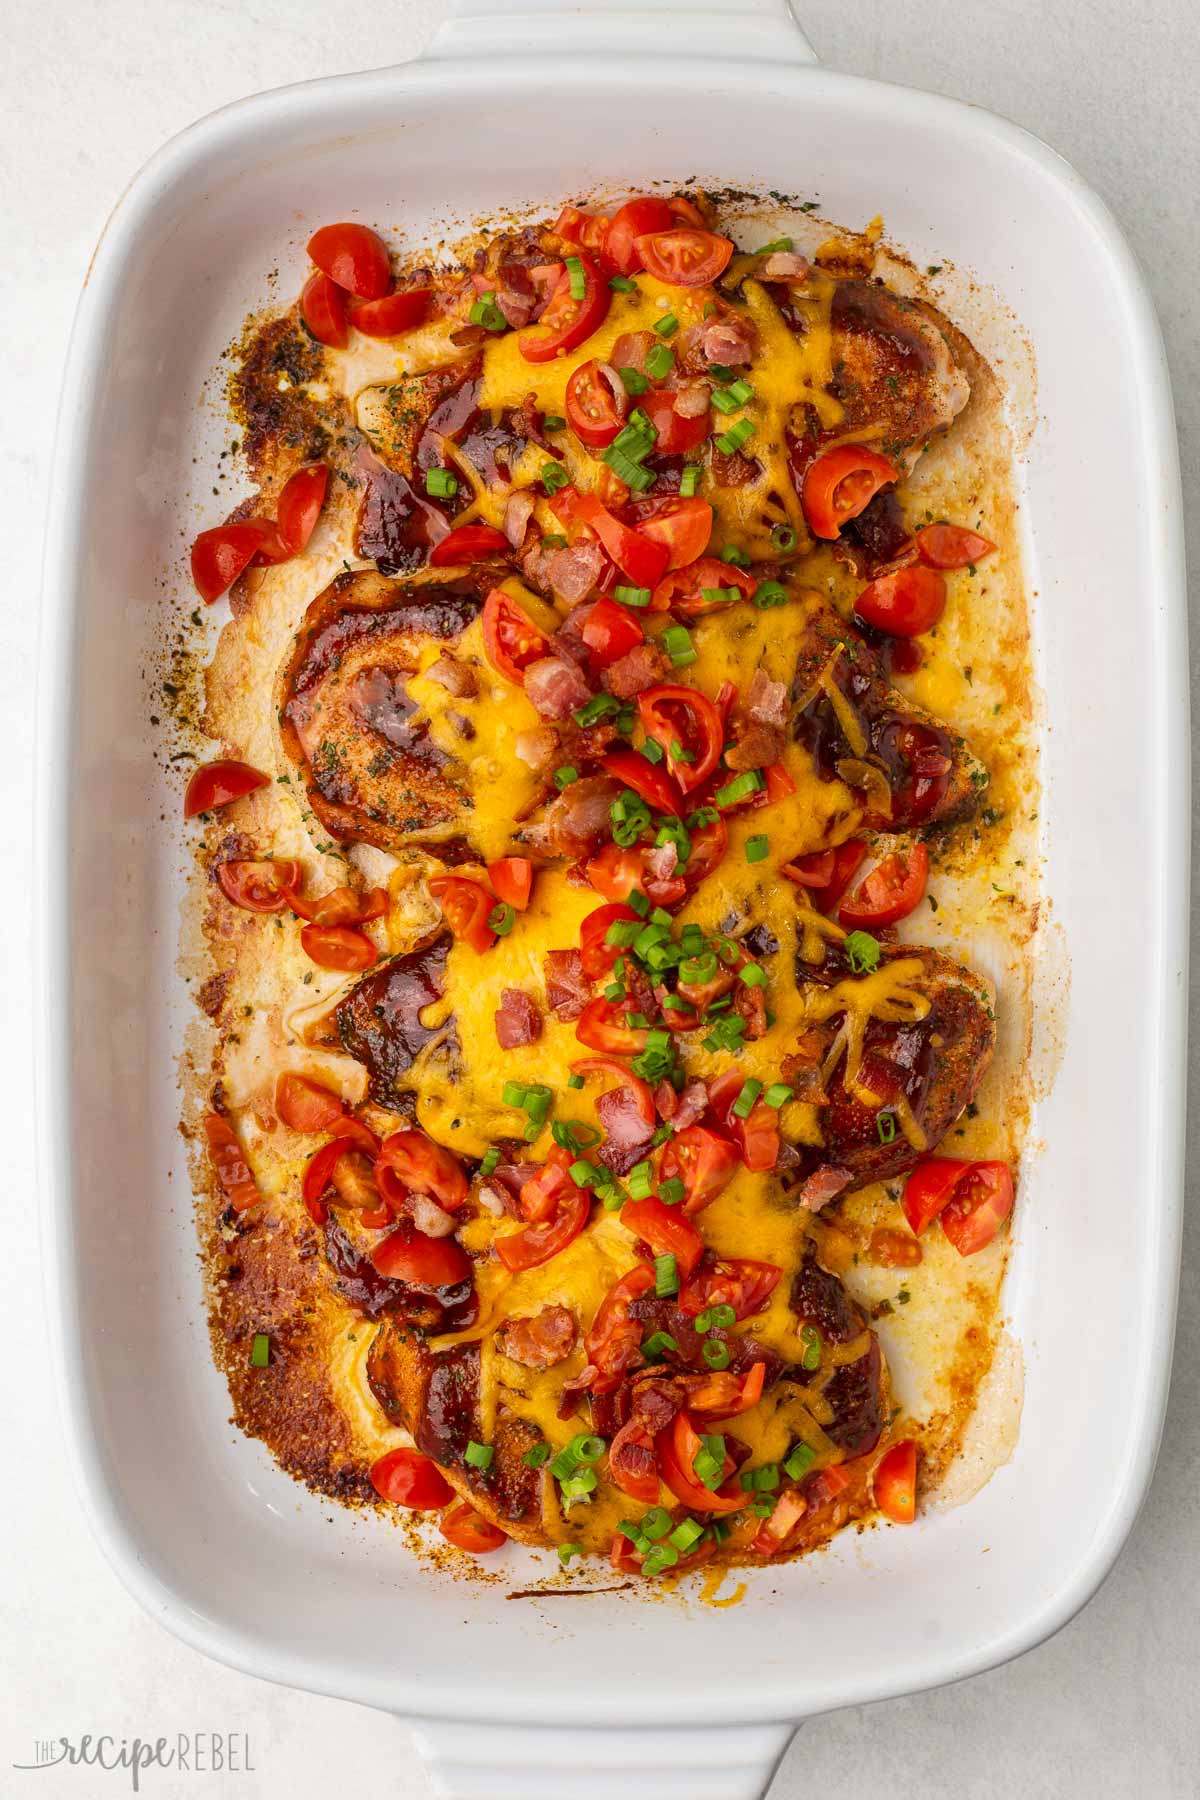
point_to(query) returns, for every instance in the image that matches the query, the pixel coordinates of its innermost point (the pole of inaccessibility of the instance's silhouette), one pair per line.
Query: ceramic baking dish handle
(764, 30)
(535, 1762)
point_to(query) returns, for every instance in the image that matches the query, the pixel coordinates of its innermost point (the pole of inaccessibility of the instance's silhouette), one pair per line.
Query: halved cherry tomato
(677, 1447)
(683, 719)
(614, 1340)
(350, 1135)
(340, 947)
(588, 230)
(296, 513)
(709, 844)
(425, 1262)
(703, 1161)
(537, 1244)
(758, 1134)
(827, 873)
(566, 322)
(635, 219)
(595, 408)
(220, 555)
(685, 256)
(340, 906)
(325, 311)
(407, 1478)
(610, 631)
(540, 1195)
(512, 880)
(392, 314)
(683, 590)
(677, 432)
(904, 603)
(734, 1281)
(425, 1167)
(304, 1104)
(648, 780)
(721, 1394)
(219, 784)
(466, 1529)
(465, 907)
(597, 956)
(667, 1231)
(510, 637)
(615, 873)
(261, 887)
(638, 557)
(952, 546)
(978, 1207)
(601, 1026)
(687, 210)
(894, 888)
(929, 1187)
(839, 483)
(895, 1483)
(631, 1462)
(471, 544)
(684, 526)
(630, 1094)
(355, 257)
(229, 1163)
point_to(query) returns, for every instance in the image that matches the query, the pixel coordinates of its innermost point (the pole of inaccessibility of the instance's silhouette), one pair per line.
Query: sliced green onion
(753, 975)
(740, 390)
(685, 1534)
(485, 312)
(783, 243)
(653, 751)
(656, 1523)
(565, 775)
(641, 1180)
(576, 277)
(667, 325)
(621, 284)
(574, 1081)
(598, 707)
(778, 1094)
(709, 1461)
(732, 440)
(762, 1509)
(688, 478)
(862, 952)
(638, 901)
(633, 381)
(721, 596)
(885, 1127)
(720, 371)
(611, 1197)
(783, 537)
(799, 1461)
(536, 1455)
(677, 642)
(726, 1033)
(723, 400)
(660, 359)
(743, 1106)
(554, 540)
(740, 788)
(657, 1344)
(574, 1135)
(567, 1551)
(632, 596)
(502, 918)
(662, 1556)
(757, 847)
(578, 1487)
(513, 1093)
(735, 557)
(671, 1192)
(442, 483)
(260, 1350)
(810, 1337)
(586, 1174)
(491, 1160)
(479, 1455)
(626, 470)
(716, 1353)
(622, 933)
(554, 477)
(585, 1448)
(666, 1276)
(770, 593)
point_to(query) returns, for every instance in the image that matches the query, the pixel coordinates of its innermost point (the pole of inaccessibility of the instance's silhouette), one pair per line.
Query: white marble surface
(1111, 1707)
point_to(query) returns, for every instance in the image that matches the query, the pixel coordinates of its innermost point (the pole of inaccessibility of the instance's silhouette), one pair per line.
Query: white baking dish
(200, 1525)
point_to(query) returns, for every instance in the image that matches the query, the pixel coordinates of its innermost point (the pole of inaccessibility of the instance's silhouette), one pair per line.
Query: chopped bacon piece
(822, 1186)
(631, 349)
(661, 861)
(750, 1003)
(555, 687)
(541, 1341)
(567, 989)
(580, 819)
(574, 572)
(517, 514)
(518, 1020)
(454, 676)
(785, 265)
(757, 746)
(691, 1106)
(693, 399)
(639, 669)
(766, 700)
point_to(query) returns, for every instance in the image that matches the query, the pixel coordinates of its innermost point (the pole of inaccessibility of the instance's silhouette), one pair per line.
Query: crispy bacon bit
(750, 1003)
(518, 1020)
(567, 988)
(574, 1389)
(655, 1403)
(538, 749)
(734, 471)
(631, 349)
(757, 747)
(634, 672)
(666, 1100)
(692, 1103)
(517, 514)
(454, 676)
(622, 1120)
(767, 700)
(541, 1341)
(661, 861)
(555, 687)
(579, 820)
(515, 294)
(727, 338)
(822, 1186)
(785, 265)
(574, 572)
(693, 399)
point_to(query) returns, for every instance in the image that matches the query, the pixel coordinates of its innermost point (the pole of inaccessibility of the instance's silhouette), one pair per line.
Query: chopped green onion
(666, 1276)
(732, 440)
(479, 1455)
(709, 1461)
(724, 401)
(553, 422)
(578, 1487)
(611, 1197)
(783, 243)
(260, 1350)
(442, 483)
(722, 1316)
(770, 593)
(586, 1449)
(762, 1509)
(720, 371)
(743, 1106)
(598, 707)
(656, 1523)
(726, 1033)
(688, 478)
(885, 1127)
(671, 1192)
(695, 971)
(565, 775)
(574, 1135)
(490, 1162)
(657, 1343)
(641, 1180)
(586, 1174)
(554, 477)
(667, 325)
(622, 284)
(862, 952)
(740, 788)
(757, 847)
(721, 596)
(737, 558)
(740, 390)
(502, 918)
(810, 1337)
(485, 312)
(635, 1534)
(778, 1094)
(622, 933)
(626, 470)
(638, 901)
(662, 1556)
(677, 642)
(753, 975)
(685, 1534)
(633, 381)
(659, 360)
(554, 540)
(577, 277)
(574, 1081)
(567, 1551)
(799, 1461)
(513, 1093)
(716, 1353)
(783, 538)
(632, 596)
(653, 751)
(536, 1455)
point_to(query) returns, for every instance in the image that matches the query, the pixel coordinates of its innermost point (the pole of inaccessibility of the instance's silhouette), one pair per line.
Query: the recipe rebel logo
(188, 1752)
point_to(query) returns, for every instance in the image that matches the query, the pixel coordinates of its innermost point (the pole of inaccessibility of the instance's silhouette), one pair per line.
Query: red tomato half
(703, 1161)
(667, 1231)
(324, 309)
(465, 907)
(512, 880)
(929, 1187)
(595, 407)
(340, 947)
(639, 558)
(392, 314)
(709, 845)
(615, 873)
(614, 1340)
(827, 873)
(894, 888)
(601, 1026)
(304, 1104)
(355, 257)
(895, 1483)
(469, 544)
(610, 631)
(219, 784)
(537, 1244)
(677, 432)
(407, 1478)
(466, 1529)
(648, 780)
(683, 591)
(296, 513)
(510, 637)
(229, 1163)
(425, 1262)
(588, 230)
(684, 526)
(758, 1135)
(952, 546)
(633, 220)
(566, 322)
(425, 1167)
(978, 1206)
(685, 257)
(723, 1395)
(904, 603)
(261, 887)
(631, 1462)
(839, 483)
(733, 1281)
(683, 719)
(596, 956)
(220, 555)
(677, 1447)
